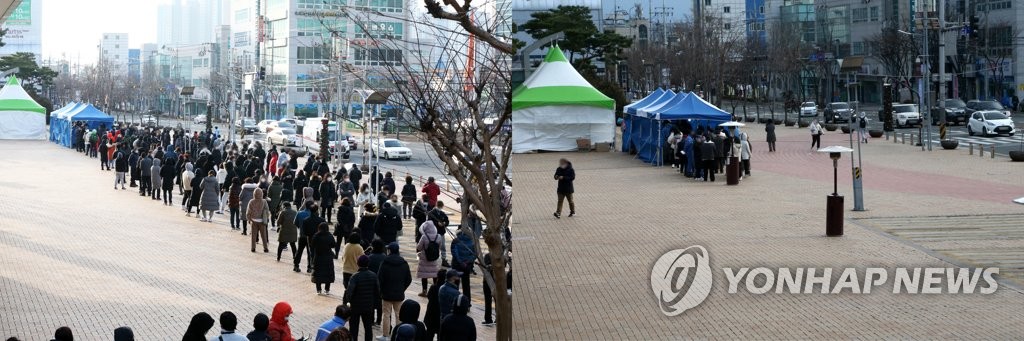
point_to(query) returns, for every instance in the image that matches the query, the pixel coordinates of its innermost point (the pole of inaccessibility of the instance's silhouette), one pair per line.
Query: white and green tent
(21, 118)
(556, 106)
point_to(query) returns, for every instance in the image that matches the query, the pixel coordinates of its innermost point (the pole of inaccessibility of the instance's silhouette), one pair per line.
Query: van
(311, 137)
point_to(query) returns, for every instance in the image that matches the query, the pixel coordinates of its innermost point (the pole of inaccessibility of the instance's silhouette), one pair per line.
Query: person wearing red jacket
(432, 191)
(279, 329)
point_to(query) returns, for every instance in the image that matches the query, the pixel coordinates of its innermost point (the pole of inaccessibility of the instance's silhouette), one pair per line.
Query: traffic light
(973, 27)
(887, 107)
(263, 73)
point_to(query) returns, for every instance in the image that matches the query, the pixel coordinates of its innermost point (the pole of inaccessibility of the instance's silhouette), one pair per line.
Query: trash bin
(732, 171)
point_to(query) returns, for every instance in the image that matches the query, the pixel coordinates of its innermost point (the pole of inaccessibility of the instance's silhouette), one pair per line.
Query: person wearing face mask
(363, 294)
(279, 329)
(565, 175)
(449, 292)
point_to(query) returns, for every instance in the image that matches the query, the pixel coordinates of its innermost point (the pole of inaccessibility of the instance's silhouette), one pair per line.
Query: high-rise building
(24, 30)
(186, 22)
(134, 64)
(295, 42)
(113, 48)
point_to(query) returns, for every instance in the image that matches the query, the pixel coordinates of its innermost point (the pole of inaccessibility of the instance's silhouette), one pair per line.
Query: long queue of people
(701, 153)
(260, 189)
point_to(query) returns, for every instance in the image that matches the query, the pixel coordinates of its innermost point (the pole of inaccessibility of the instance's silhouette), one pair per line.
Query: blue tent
(648, 132)
(631, 108)
(665, 97)
(54, 119)
(87, 113)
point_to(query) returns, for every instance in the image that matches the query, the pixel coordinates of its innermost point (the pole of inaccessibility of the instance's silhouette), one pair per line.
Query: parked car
(978, 105)
(955, 111)
(352, 141)
(390, 149)
(265, 125)
(808, 109)
(904, 115)
(990, 122)
(199, 119)
(283, 136)
(274, 125)
(838, 112)
(246, 124)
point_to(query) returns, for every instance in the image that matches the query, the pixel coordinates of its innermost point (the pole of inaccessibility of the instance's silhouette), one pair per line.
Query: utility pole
(927, 77)
(942, 63)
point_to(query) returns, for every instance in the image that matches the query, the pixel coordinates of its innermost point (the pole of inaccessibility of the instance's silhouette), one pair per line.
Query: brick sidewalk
(588, 276)
(81, 254)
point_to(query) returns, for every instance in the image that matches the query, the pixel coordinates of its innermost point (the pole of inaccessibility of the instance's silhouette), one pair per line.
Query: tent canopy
(655, 109)
(693, 108)
(88, 112)
(65, 108)
(556, 82)
(21, 118)
(644, 101)
(665, 96)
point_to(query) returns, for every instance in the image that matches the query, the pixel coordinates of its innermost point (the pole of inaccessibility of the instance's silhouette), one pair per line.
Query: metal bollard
(912, 139)
(981, 151)
(970, 148)
(903, 138)
(992, 152)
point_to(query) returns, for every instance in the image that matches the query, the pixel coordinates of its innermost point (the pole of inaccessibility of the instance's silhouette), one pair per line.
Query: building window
(761, 9)
(874, 13)
(378, 57)
(857, 48)
(726, 9)
(707, 2)
(859, 15)
(312, 55)
(727, 26)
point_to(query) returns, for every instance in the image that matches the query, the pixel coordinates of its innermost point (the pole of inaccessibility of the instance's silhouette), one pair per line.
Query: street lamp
(834, 203)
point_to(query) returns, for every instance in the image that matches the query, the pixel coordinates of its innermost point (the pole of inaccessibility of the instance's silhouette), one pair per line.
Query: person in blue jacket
(463, 256)
(341, 314)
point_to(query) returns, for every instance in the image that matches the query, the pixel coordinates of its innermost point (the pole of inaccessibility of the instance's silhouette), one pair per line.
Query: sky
(74, 27)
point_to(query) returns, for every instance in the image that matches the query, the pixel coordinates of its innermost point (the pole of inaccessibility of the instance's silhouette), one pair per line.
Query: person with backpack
(428, 251)
(862, 130)
(440, 220)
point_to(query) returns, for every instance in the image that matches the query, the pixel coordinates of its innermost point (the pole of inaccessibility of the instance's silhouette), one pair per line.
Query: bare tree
(896, 52)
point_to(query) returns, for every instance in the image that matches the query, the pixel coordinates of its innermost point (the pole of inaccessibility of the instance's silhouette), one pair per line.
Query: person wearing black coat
(310, 227)
(366, 225)
(432, 318)
(388, 223)
(395, 278)
(708, 154)
(419, 214)
(362, 293)
(389, 183)
(133, 166)
(328, 196)
(769, 130)
(198, 327)
(409, 314)
(458, 326)
(298, 184)
(323, 258)
(120, 167)
(314, 183)
(565, 175)
(345, 223)
(145, 170)
(355, 175)
(167, 174)
(287, 191)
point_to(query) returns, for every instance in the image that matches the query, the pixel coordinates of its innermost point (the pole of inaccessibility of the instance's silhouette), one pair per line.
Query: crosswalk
(982, 140)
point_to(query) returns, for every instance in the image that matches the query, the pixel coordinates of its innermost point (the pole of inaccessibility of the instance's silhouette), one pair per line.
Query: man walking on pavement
(565, 175)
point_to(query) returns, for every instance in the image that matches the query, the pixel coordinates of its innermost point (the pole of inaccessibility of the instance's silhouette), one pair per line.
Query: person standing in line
(346, 190)
(815, 135)
(145, 171)
(224, 182)
(197, 181)
(362, 293)
(279, 329)
(458, 326)
(366, 224)
(350, 256)
(298, 186)
(167, 174)
(124, 333)
(432, 317)
(133, 166)
(309, 229)
(323, 258)
(365, 197)
(274, 193)
(234, 203)
(464, 257)
(708, 153)
(565, 175)
(63, 334)
(449, 292)
(288, 233)
(245, 196)
(258, 214)
(409, 316)
(120, 167)
(769, 130)
(228, 324)
(300, 219)
(328, 196)
(346, 223)
(428, 252)
(488, 295)
(745, 152)
(408, 198)
(432, 190)
(388, 223)
(209, 196)
(355, 175)
(156, 182)
(389, 183)
(721, 145)
(419, 214)
(104, 157)
(395, 278)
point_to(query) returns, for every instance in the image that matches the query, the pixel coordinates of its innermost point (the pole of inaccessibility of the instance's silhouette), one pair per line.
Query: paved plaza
(80, 254)
(588, 277)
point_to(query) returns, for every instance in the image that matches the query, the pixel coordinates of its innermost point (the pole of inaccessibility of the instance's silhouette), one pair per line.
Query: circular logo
(681, 279)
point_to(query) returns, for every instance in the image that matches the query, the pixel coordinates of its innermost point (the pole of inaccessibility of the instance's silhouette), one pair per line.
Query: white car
(282, 136)
(199, 119)
(148, 120)
(264, 125)
(990, 122)
(808, 109)
(390, 149)
(906, 115)
(279, 125)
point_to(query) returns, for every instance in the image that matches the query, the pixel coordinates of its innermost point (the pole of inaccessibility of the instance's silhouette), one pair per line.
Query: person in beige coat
(258, 214)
